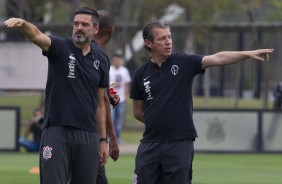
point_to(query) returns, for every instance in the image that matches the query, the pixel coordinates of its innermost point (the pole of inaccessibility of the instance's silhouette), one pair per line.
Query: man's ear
(96, 29)
(110, 32)
(148, 43)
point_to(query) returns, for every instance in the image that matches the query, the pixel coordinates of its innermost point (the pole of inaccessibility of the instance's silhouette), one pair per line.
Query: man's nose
(168, 41)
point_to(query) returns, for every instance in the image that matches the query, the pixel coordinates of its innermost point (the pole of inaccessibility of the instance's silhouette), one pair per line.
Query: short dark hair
(106, 20)
(89, 11)
(148, 30)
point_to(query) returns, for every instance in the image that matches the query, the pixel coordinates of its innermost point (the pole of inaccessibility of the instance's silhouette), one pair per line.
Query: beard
(79, 38)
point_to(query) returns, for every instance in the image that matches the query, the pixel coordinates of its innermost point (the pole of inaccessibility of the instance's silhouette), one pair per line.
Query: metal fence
(249, 79)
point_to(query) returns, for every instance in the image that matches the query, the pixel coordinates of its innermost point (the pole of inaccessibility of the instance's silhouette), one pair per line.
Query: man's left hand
(114, 149)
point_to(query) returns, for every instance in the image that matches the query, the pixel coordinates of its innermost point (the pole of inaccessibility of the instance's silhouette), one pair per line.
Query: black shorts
(164, 162)
(68, 155)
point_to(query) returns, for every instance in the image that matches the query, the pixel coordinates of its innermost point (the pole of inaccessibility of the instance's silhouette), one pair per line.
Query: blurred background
(202, 27)
(237, 108)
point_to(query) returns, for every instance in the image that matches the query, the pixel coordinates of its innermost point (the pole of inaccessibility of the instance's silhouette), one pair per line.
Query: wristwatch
(104, 139)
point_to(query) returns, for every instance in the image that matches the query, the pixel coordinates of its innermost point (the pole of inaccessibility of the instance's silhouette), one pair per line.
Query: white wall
(22, 66)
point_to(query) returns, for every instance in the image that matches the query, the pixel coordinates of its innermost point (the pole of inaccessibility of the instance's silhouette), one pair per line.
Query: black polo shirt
(72, 83)
(100, 51)
(103, 54)
(167, 93)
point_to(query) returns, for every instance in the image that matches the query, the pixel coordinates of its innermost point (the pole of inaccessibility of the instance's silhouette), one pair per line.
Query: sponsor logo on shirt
(146, 78)
(148, 90)
(71, 66)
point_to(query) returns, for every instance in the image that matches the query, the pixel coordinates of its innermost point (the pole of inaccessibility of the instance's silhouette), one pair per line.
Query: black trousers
(164, 162)
(102, 177)
(68, 156)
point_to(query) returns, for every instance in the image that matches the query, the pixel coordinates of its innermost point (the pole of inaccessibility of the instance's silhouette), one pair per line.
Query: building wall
(22, 66)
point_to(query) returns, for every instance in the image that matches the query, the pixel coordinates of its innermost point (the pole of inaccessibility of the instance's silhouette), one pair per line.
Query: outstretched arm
(232, 57)
(30, 31)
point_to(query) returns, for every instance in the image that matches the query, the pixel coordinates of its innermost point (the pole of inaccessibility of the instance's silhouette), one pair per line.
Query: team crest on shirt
(71, 66)
(174, 69)
(96, 64)
(47, 152)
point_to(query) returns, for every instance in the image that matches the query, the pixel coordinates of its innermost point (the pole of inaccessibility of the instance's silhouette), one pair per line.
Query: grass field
(208, 169)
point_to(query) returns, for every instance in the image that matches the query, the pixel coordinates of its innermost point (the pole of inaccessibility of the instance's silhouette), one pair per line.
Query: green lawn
(208, 169)
(237, 169)
(14, 168)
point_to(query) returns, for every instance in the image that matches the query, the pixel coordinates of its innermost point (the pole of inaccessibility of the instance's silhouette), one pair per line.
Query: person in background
(106, 28)
(277, 93)
(74, 140)
(121, 78)
(162, 99)
(34, 127)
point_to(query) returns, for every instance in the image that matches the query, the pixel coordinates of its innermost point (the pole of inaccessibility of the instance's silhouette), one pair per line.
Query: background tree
(130, 16)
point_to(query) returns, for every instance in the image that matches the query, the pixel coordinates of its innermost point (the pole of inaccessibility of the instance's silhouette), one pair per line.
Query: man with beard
(74, 119)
